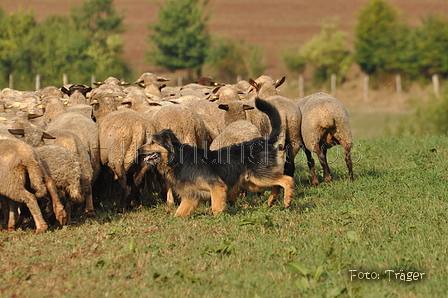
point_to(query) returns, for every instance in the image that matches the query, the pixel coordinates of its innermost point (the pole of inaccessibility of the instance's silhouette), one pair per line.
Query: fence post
(398, 85)
(238, 78)
(92, 80)
(38, 82)
(366, 88)
(64, 79)
(11, 81)
(180, 81)
(436, 84)
(301, 86)
(333, 84)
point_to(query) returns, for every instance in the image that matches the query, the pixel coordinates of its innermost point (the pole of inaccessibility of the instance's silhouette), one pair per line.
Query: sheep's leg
(89, 198)
(58, 208)
(348, 159)
(311, 166)
(291, 152)
(187, 207)
(12, 214)
(219, 196)
(31, 202)
(321, 152)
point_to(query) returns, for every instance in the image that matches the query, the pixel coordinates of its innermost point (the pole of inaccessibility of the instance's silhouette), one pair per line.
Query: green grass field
(391, 221)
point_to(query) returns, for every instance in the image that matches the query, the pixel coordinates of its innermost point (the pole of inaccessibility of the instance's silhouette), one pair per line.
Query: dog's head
(159, 148)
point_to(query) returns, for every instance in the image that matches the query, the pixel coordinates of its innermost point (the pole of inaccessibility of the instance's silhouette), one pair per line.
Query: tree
(432, 43)
(381, 39)
(328, 52)
(293, 60)
(180, 39)
(15, 58)
(102, 25)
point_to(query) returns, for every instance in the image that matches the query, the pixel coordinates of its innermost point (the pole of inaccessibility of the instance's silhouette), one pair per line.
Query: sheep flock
(65, 151)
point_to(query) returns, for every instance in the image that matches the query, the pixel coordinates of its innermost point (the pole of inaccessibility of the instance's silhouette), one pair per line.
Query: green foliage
(381, 39)
(230, 58)
(328, 52)
(180, 39)
(85, 43)
(15, 34)
(293, 60)
(432, 44)
(430, 117)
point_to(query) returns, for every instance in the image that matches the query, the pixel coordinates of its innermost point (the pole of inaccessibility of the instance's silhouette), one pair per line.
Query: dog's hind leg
(287, 182)
(187, 207)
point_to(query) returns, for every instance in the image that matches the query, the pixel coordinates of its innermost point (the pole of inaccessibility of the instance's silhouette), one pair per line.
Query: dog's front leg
(187, 207)
(219, 198)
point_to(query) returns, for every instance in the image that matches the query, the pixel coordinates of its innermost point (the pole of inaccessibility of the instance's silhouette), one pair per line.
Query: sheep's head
(159, 147)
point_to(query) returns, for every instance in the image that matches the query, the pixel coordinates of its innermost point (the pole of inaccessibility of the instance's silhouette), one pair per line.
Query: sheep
(86, 129)
(236, 132)
(62, 165)
(226, 94)
(325, 123)
(186, 124)
(19, 163)
(290, 138)
(103, 104)
(240, 110)
(120, 134)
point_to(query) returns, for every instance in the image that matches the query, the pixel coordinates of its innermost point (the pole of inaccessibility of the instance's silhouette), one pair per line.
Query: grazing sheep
(236, 132)
(121, 133)
(241, 110)
(290, 138)
(19, 163)
(325, 123)
(62, 165)
(86, 129)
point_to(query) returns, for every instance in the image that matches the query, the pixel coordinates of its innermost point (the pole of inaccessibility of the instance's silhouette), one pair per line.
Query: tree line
(88, 42)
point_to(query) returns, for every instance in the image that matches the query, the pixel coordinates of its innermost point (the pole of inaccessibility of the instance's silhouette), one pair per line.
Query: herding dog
(198, 174)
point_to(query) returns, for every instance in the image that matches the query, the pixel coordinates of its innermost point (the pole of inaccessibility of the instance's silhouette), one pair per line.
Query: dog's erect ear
(65, 90)
(280, 82)
(224, 107)
(247, 107)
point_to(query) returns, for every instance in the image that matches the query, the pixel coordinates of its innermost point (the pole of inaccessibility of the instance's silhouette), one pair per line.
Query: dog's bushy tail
(274, 117)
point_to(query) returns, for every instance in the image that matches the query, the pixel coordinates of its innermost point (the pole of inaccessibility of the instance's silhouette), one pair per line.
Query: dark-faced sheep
(325, 124)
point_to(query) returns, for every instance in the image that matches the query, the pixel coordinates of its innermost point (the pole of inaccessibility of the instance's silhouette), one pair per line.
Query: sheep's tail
(274, 117)
(37, 174)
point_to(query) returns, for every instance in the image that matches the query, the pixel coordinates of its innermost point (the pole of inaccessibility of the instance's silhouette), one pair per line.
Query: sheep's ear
(65, 90)
(254, 84)
(155, 104)
(161, 79)
(47, 136)
(141, 84)
(98, 83)
(124, 84)
(247, 107)
(280, 82)
(162, 86)
(223, 107)
(32, 116)
(216, 89)
(17, 132)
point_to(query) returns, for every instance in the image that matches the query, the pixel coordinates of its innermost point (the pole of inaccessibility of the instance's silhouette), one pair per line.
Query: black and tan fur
(197, 174)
